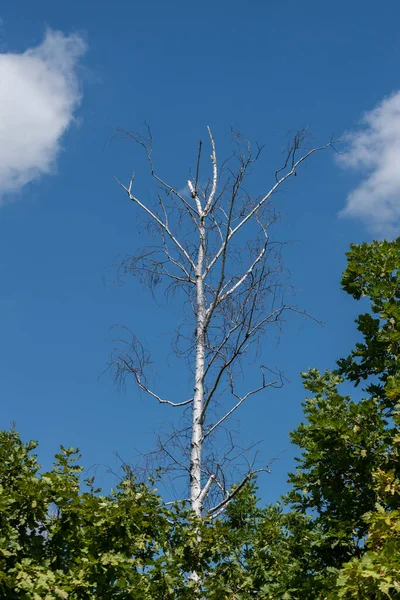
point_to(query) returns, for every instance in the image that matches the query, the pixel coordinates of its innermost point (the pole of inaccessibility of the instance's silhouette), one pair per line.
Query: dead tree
(213, 243)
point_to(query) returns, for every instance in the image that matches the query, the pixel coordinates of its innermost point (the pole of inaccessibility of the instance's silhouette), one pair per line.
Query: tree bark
(198, 396)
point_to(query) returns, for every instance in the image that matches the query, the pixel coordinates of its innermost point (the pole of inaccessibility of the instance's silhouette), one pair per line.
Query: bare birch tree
(212, 243)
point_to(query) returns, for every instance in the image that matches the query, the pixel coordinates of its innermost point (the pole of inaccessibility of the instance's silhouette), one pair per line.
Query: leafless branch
(163, 225)
(241, 399)
(217, 510)
(132, 359)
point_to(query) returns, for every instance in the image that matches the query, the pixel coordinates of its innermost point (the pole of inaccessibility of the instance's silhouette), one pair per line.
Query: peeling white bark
(198, 395)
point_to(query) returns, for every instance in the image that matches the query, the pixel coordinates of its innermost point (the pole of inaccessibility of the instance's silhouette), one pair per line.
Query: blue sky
(265, 67)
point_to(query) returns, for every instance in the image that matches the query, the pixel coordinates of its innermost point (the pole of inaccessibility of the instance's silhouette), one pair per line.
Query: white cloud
(375, 150)
(39, 93)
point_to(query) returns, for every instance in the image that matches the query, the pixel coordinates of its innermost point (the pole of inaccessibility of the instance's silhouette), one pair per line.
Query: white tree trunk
(198, 396)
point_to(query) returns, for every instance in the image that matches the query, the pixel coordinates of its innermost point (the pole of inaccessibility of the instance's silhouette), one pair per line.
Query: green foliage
(58, 541)
(343, 443)
(63, 538)
(376, 574)
(373, 272)
(347, 478)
